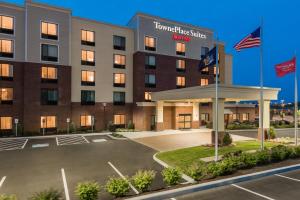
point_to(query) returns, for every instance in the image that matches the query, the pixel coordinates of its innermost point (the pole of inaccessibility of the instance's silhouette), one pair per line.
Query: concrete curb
(116, 138)
(213, 184)
(184, 176)
(54, 136)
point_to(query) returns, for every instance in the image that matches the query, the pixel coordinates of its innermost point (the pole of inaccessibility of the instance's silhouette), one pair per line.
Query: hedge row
(232, 162)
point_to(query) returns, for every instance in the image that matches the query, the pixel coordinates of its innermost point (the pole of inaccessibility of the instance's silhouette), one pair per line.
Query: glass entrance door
(185, 121)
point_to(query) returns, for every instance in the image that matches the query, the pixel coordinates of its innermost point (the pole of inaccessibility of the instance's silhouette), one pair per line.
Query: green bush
(227, 140)
(212, 170)
(263, 157)
(226, 167)
(87, 190)
(197, 171)
(279, 153)
(7, 197)
(117, 187)
(297, 151)
(143, 179)
(51, 194)
(130, 125)
(111, 127)
(272, 133)
(247, 160)
(232, 154)
(171, 176)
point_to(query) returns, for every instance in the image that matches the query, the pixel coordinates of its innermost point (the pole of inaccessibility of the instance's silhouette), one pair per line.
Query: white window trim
(14, 21)
(58, 37)
(156, 42)
(12, 47)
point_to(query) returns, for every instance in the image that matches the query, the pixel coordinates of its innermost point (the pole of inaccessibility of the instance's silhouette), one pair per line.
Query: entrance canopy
(208, 93)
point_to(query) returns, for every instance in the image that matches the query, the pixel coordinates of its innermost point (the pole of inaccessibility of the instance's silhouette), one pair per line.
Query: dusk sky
(230, 19)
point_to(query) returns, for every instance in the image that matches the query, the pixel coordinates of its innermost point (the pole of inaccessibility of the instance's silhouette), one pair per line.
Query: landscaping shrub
(51, 194)
(212, 170)
(227, 140)
(297, 151)
(247, 160)
(7, 197)
(117, 187)
(143, 179)
(232, 154)
(87, 190)
(171, 176)
(197, 171)
(279, 153)
(226, 167)
(263, 157)
(272, 133)
(130, 125)
(111, 127)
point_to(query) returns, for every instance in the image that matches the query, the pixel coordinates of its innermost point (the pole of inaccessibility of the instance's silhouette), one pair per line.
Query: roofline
(47, 6)
(170, 20)
(12, 5)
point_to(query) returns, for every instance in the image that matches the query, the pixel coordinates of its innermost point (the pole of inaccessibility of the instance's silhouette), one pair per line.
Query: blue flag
(209, 59)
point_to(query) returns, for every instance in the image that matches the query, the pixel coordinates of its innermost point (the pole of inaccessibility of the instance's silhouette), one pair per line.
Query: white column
(195, 111)
(266, 114)
(220, 114)
(159, 112)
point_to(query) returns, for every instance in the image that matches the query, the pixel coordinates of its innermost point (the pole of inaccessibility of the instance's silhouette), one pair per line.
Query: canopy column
(159, 115)
(218, 119)
(266, 118)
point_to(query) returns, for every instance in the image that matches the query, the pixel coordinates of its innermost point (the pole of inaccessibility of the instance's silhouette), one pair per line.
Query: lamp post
(93, 122)
(68, 125)
(16, 124)
(44, 123)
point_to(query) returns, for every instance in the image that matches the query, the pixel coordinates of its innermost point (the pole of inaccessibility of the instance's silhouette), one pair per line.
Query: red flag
(285, 68)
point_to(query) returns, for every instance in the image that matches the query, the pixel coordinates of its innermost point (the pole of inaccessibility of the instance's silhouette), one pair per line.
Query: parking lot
(280, 186)
(32, 165)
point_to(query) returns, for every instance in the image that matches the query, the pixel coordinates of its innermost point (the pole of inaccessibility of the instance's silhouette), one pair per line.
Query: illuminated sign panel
(179, 30)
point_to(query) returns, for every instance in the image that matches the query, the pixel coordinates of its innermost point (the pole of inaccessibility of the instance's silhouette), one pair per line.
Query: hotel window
(49, 31)
(236, 117)
(6, 48)
(150, 43)
(87, 57)
(150, 80)
(87, 97)
(88, 38)
(6, 95)
(6, 72)
(88, 78)
(203, 81)
(119, 121)
(245, 116)
(85, 120)
(150, 62)
(180, 65)
(6, 24)
(180, 81)
(49, 52)
(204, 51)
(119, 61)
(49, 75)
(49, 96)
(205, 71)
(204, 117)
(119, 98)
(48, 122)
(180, 48)
(215, 71)
(119, 80)
(5, 123)
(147, 96)
(119, 42)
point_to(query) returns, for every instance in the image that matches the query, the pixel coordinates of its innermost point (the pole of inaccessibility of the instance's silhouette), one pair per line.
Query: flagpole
(216, 102)
(296, 104)
(261, 88)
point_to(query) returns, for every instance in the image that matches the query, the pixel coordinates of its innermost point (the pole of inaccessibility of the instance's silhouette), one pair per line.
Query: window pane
(148, 96)
(6, 46)
(52, 29)
(180, 47)
(7, 22)
(90, 36)
(90, 56)
(48, 121)
(119, 59)
(119, 119)
(150, 41)
(5, 123)
(6, 94)
(52, 51)
(6, 70)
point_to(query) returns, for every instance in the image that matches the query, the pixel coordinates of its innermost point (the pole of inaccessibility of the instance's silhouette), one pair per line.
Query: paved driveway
(181, 140)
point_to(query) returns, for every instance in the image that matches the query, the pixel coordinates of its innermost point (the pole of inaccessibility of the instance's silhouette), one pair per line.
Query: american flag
(251, 40)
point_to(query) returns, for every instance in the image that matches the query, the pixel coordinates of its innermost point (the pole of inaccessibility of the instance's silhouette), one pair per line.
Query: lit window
(215, 70)
(119, 61)
(180, 65)
(5, 123)
(49, 31)
(204, 117)
(150, 62)
(203, 81)
(205, 71)
(48, 121)
(180, 48)
(235, 116)
(147, 96)
(87, 57)
(87, 78)
(119, 80)
(85, 120)
(119, 98)
(88, 37)
(6, 48)
(180, 81)
(119, 42)
(150, 80)
(6, 95)
(49, 52)
(119, 119)
(6, 72)
(150, 43)
(49, 73)
(6, 24)
(245, 116)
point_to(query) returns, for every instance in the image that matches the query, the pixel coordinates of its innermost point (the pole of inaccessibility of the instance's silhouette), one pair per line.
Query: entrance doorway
(153, 122)
(185, 121)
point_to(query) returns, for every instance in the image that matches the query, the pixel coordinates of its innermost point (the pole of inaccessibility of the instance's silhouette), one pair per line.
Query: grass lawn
(185, 157)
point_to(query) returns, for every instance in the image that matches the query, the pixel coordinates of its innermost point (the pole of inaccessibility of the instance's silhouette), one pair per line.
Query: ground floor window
(5, 123)
(245, 116)
(235, 116)
(48, 122)
(147, 96)
(85, 120)
(119, 120)
(204, 117)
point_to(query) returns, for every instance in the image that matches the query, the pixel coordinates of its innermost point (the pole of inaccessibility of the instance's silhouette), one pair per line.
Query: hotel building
(56, 69)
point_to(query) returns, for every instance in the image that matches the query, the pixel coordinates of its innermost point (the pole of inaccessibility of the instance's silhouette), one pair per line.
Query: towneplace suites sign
(179, 30)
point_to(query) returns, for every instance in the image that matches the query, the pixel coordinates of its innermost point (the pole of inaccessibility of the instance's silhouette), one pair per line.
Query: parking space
(280, 186)
(72, 139)
(44, 166)
(12, 144)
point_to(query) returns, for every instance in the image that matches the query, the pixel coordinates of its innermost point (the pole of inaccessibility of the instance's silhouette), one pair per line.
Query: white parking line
(250, 191)
(293, 179)
(65, 184)
(85, 139)
(99, 140)
(2, 181)
(56, 141)
(123, 177)
(24, 143)
(40, 145)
